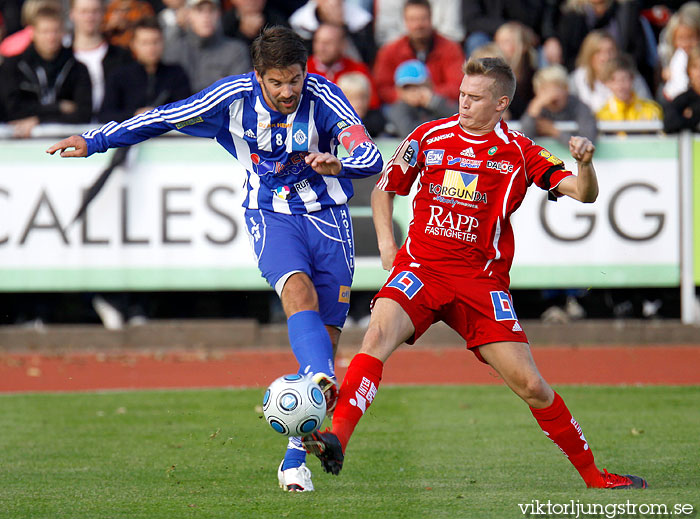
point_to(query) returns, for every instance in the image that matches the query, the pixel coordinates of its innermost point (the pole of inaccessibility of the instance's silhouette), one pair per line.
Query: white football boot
(295, 480)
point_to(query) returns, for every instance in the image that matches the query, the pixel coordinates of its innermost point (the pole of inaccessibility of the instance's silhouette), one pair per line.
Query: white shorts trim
(281, 282)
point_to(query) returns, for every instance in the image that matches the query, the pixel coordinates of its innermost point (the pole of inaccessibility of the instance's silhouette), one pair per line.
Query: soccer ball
(294, 405)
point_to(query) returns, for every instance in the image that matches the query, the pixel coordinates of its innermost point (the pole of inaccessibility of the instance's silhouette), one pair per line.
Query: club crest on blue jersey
(300, 137)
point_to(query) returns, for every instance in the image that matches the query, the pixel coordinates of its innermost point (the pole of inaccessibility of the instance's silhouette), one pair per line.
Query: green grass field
(421, 452)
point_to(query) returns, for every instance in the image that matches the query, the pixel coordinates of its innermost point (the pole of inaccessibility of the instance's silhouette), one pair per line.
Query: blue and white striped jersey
(270, 145)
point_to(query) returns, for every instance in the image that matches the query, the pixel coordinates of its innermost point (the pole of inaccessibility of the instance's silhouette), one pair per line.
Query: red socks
(356, 394)
(360, 387)
(560, 427)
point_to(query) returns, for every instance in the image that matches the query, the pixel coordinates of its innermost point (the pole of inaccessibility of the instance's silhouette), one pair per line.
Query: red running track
(674, 365)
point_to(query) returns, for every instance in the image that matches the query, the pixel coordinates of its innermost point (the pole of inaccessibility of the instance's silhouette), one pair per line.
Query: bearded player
(284, 126)
(473, 173)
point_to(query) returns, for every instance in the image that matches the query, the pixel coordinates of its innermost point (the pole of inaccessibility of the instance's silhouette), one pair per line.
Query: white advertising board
(172, 219)
(628, 237)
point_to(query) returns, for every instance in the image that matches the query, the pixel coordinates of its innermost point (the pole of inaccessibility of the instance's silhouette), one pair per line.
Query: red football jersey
(468, 186)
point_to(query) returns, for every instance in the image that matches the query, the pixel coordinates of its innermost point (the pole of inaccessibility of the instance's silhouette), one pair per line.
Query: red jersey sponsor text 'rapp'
(469, 185)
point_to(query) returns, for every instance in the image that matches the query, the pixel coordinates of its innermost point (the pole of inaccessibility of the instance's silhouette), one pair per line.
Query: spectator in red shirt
(328, 58)
(443, 57)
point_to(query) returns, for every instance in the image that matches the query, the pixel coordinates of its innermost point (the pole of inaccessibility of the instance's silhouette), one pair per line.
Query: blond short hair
(487, 50)
(354, 82)
(496, 69)
(31, 7)
(551, 74)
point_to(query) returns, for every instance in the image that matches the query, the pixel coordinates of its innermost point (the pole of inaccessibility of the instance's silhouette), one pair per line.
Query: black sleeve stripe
(547, 177)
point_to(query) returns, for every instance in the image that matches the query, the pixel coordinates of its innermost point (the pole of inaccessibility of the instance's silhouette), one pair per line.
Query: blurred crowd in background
(398, 61)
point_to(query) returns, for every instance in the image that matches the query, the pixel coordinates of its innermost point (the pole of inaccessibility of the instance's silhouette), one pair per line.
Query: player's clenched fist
(74, 141)
(581, 149)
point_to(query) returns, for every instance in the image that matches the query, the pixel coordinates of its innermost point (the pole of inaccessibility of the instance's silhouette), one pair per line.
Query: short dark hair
(498, 70)
(421, 3)
(277, 47)
(149, 22)
(622, 62)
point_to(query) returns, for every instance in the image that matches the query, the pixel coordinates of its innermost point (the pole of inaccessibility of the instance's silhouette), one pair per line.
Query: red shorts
(480, 310)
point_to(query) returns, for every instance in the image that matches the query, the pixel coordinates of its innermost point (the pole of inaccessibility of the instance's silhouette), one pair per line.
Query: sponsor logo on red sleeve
(551, 158)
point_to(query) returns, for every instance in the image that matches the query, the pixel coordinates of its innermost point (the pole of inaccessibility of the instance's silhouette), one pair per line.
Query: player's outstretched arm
(584, 186)
(382, 214)
(74, 141)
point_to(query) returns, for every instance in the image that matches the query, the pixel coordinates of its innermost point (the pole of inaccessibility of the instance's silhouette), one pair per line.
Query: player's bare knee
(299, 294)
(373, 339)
(376, 343)
(536, 392)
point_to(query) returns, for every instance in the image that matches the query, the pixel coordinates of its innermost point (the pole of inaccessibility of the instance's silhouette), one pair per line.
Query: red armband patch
(352, 136)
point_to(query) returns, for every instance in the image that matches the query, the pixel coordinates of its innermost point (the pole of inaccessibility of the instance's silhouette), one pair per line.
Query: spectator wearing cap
(146, 82)
(203, 51)
(416, 102)
(553, 103)
(328, 58)
(422, 42)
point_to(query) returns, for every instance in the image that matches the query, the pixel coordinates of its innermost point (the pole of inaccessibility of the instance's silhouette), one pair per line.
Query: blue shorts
(320, 244)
